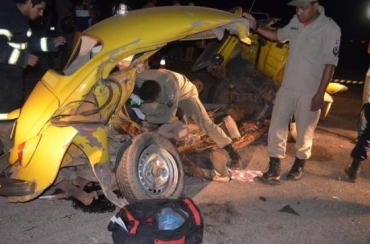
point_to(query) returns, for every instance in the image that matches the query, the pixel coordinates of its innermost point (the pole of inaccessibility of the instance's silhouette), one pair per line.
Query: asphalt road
(321, 208)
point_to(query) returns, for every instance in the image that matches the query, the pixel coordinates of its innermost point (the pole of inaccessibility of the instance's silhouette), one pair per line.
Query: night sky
(353, 17)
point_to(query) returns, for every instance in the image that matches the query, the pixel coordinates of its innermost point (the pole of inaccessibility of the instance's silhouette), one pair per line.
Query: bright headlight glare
(122, 9)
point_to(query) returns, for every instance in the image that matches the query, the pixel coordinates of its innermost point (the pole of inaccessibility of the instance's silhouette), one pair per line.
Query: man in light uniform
(314, 41)
(164, 91)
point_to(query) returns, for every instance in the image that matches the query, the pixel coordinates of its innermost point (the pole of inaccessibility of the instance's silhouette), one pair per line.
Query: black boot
(353, 170)
(236, 162)
(272, 175)
(296, 171)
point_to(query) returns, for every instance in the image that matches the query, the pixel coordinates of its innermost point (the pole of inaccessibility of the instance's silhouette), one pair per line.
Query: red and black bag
(140, 223)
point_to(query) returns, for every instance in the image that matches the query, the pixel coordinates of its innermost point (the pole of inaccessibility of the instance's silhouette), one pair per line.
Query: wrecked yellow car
(74, 128)
(249, 75)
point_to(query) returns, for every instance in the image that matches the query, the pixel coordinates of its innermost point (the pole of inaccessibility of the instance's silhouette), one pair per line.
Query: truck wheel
(150, 168)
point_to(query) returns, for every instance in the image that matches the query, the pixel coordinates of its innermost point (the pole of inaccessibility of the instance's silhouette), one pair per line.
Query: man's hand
(139, 113)
(32, 60)
(135, 98)
(251, 19)
(58, 41)
(317, 102)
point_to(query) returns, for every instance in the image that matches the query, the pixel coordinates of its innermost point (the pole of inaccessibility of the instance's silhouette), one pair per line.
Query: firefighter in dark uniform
(16, 45)
(361, 150)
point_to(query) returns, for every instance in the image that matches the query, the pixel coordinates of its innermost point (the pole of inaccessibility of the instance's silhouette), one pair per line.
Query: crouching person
(163, 91)
(362, 148)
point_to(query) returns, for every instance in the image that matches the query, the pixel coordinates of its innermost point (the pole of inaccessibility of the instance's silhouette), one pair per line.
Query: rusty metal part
(104, 175)
(76, 192)
(80, 182)
(249, 133)
(4, 162)
(63, 195)
(123, 124)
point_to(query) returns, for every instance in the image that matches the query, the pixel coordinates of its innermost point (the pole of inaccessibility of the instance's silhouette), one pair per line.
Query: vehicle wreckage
(75, 128)
(248, 79)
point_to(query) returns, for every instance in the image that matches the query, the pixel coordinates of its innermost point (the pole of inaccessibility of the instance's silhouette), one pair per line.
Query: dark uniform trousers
(362, 148)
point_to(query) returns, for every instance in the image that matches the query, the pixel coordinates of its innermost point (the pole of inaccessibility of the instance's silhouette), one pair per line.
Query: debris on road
(289, 209)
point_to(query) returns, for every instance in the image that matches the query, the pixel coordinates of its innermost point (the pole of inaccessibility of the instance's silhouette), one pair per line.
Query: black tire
(150, 154)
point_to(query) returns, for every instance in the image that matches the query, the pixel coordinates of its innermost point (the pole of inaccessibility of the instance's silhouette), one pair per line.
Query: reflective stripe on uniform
(14, 56)
(3, 116)
(82, 13)
(21, 46)
(7, 33)
(44, 44)
(29, 32)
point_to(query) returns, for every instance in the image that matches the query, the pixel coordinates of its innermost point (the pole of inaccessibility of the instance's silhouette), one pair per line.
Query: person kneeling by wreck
(163, 91)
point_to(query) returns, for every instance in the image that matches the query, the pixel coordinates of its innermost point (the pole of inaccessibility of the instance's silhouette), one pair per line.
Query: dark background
(353, 17)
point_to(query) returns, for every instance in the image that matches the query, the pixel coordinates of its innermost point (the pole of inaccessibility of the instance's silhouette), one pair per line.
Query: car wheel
(150, 167)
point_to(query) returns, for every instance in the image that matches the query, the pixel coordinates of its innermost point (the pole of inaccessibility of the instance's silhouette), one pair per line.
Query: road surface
(321, 208)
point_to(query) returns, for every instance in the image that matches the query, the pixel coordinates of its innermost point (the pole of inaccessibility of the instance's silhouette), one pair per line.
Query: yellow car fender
(45, 162)
(93, 141)
(10, 116)
(335, 88)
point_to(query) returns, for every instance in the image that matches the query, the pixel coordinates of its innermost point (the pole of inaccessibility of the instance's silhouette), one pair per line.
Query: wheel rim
(157, 172)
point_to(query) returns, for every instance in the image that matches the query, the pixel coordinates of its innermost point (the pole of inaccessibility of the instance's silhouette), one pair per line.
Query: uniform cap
(300, 3)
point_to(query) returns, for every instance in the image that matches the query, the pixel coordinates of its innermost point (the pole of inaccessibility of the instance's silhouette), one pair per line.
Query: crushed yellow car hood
(155, 26)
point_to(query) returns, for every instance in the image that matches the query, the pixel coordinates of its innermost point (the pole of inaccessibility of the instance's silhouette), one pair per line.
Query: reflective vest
(18, 47)
(16, 39)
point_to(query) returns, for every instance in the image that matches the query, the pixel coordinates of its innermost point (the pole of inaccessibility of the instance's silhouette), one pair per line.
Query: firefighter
(163, 91)
(16, 45)
(362, 148)
(314, 41)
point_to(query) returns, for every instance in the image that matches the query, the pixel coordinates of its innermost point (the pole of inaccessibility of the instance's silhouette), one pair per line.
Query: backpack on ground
(159, 221)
